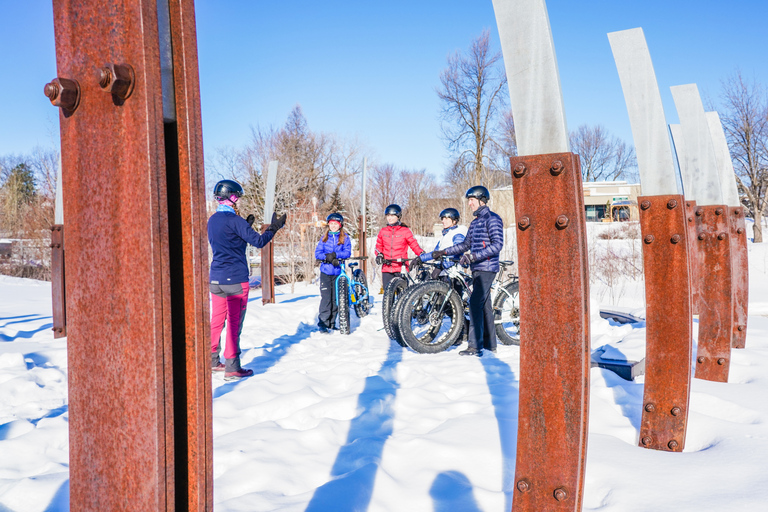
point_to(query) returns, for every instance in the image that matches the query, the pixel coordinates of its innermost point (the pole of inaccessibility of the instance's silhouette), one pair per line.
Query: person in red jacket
(392, 243)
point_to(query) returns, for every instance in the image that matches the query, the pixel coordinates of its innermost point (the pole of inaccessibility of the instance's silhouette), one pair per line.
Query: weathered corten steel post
(665, 251)
(137, 255)
(58, 295)
(712, 237)
(267, 271)
(738, 232)
(268, 251)
(552, 258)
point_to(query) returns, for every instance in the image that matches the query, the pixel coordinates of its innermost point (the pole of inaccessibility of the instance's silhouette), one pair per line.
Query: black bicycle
(432, 314)
(394, 291)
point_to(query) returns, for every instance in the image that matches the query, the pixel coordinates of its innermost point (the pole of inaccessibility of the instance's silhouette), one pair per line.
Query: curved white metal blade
(723, 159)
(676, 131)
(269, 193)
(646, 113)
(699, 151)
(532, 76)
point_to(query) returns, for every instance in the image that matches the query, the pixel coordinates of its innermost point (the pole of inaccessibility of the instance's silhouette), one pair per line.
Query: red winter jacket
(393, 242)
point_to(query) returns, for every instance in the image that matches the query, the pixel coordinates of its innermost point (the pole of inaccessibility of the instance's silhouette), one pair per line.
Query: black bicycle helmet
(451, 213)
(393, 209)
(226, 189)
(479, 192)
(335, 216)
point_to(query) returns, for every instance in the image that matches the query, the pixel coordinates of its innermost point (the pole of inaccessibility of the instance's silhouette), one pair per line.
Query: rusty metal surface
(58, 296)
(713, 355)
(267, 271)
(555, 346)
(738, 230)
(363, 251)
(194, 438)
(136, 266)
(694, 256)
(668, 350)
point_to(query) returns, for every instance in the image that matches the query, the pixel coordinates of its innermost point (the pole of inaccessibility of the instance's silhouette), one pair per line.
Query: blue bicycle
(352, 291)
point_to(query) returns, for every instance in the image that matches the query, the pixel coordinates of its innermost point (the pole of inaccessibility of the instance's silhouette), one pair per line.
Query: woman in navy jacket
(229, 235)
(334, 245)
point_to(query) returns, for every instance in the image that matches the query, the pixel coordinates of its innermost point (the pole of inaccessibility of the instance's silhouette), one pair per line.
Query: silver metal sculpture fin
(532, 75)
(646, 113)
(269, 193)
(699, 151)
(723, 159)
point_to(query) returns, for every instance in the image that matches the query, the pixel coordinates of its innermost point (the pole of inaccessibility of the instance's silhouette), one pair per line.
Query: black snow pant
(387, 277)
(328, 306)
(482, 330)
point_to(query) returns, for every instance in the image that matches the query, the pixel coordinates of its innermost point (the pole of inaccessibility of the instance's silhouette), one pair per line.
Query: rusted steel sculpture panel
(740, 268)
(713, 356)
(189, 247)
(137, 304)
(554, 347)
(694, 256)
(668, 318)
(267, 271)
(57, 282)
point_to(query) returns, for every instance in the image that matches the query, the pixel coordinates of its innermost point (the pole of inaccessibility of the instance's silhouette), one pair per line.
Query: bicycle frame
(351, 283)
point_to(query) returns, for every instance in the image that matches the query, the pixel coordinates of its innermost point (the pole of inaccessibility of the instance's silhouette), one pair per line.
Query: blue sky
(369, 69)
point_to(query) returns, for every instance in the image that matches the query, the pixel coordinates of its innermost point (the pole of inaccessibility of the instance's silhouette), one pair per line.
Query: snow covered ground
(341, 423)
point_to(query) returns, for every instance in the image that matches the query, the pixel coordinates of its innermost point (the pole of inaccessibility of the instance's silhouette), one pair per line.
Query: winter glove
(415, 262)
(335, 262)
(379, 259)
(330, 257)
(466, 259)
(251, 219)
(277, 222)
(436, 255)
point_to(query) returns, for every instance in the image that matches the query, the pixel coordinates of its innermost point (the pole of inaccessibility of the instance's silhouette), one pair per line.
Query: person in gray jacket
(484, 241)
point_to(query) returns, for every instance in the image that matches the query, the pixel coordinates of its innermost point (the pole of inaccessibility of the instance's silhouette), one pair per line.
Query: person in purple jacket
(229, 235)
(484, 241)
(334, 245)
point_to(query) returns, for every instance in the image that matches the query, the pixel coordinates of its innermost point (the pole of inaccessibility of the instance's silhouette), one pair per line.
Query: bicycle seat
(352, 264)
(506, 263)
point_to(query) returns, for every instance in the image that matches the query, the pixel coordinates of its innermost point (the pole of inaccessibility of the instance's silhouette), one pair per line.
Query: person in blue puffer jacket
(484, 241)
(334, 245)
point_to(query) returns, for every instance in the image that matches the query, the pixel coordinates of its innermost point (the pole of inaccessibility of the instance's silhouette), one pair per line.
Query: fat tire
(510, 292)
(392, 295)
(343, 288)
(434, 293)
(361, 307)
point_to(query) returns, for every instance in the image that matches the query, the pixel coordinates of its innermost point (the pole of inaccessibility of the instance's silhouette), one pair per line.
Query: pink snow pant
(228, 305)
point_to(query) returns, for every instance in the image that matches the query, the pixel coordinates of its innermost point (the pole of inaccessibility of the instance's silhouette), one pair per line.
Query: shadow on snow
(505, 397)
(273, 352)
(354, 471)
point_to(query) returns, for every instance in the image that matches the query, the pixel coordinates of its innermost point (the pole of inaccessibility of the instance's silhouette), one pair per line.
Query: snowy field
(342, 423)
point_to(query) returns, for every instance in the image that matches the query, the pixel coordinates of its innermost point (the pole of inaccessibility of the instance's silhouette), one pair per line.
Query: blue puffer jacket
(484, 241)
(343, 251)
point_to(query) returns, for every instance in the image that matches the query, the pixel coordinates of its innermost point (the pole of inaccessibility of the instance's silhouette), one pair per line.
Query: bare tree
(603, 157)
(385, 187)
(745, 120)
(420, 201)
(473, 95)
(27, 191)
